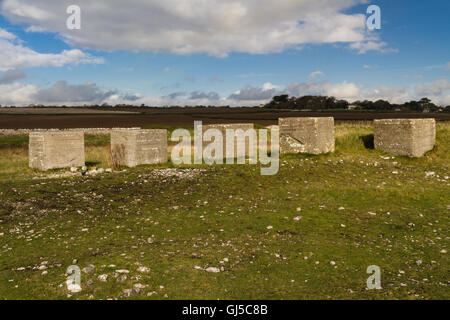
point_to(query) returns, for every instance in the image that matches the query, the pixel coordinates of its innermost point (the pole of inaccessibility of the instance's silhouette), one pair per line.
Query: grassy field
(309, 232)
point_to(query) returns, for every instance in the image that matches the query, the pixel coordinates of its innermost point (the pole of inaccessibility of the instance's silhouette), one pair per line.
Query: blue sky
(241, 54)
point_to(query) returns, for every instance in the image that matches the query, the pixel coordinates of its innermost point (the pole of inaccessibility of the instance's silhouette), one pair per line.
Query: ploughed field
(60, 118)
(226, 232)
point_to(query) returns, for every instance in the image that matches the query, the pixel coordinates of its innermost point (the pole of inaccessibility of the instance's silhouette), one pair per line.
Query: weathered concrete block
(232, 126)
(405, 137)
(306, 135)
(135, 147)
(56, 149)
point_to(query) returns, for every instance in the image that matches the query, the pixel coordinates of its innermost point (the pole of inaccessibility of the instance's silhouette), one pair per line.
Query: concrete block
(306, 135)
(56, 149)
(231, 126)
(135, 147)
(405, 137)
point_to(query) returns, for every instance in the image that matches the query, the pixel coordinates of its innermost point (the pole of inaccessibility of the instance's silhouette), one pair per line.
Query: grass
(220, 218)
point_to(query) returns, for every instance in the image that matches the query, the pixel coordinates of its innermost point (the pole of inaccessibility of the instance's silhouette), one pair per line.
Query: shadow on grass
(369, 141)
(92, 163)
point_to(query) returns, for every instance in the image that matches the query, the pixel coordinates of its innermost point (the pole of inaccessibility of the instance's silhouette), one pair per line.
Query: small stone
(89, 269)
(73, 169)
(212, 269)
(122, 278)
(332, 263)
(127, 292)
(269, 227)
(122, 271)
(143, 269)
(139, 286)
(109, 170)
(443, 251)
(419, 262)
(103, 277)
(297, 218)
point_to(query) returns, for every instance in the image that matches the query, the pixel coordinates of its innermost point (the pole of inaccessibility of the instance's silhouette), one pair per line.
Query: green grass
(224, 213)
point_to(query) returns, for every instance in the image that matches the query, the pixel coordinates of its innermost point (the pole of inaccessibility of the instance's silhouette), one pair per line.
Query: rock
(269, 227)
(127, 292)
(332, 263)
(89, 269)
(212, 270)
(143, 269)
(103, 277)
(84, 168)
(73, 169)
(122, 271)
(419, 262)
(109, 170)
(89, 283)
(122, 278)
(101, 170)
(139, 286)
(298, 218)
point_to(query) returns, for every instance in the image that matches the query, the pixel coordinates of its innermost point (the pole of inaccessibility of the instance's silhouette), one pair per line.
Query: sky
(222, 52)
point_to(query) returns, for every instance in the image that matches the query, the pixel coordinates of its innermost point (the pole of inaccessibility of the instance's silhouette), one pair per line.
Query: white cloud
(13, 55)
(344, 90)
(215, 27)
(438, 91)
(17, 94)
(369, 67)
(315, 74)
(371, 45)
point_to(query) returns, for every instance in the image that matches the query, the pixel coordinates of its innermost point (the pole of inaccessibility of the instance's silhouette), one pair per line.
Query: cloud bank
(215, 27)
(63, 93)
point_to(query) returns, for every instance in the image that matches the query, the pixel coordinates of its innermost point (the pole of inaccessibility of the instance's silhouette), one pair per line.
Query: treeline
(326, 103)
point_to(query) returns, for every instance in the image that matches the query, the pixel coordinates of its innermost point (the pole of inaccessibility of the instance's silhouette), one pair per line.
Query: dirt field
(60, 110)
(59, 118)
